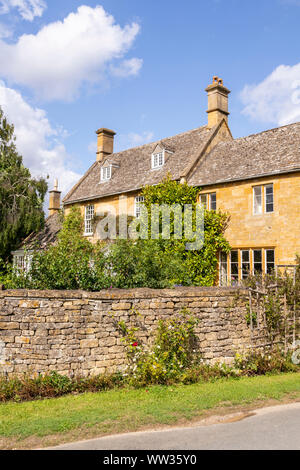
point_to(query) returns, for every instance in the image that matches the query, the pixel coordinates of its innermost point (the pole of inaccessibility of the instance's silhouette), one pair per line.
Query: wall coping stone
(111, 294)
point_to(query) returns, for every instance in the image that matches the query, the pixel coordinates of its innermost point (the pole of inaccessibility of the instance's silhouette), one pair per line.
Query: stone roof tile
(271, 152)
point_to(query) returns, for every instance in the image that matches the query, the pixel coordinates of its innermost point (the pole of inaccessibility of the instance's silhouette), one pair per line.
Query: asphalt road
(269, 428)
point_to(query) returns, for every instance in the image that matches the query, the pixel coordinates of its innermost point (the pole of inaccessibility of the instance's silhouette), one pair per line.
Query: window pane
(257, 261)
(157, 160)
(213, 201)
(88, 219)
(138, 201)
(203, 200)
(245, 263)
(257, 203)
(234, 266)
(269, 198)
(105, 173)
(270, 261)
(234, 256)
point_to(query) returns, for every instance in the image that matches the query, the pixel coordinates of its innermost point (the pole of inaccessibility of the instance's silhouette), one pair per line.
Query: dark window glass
(269, 198)
(234, 266)
(213, 202)
(245, 263)
(270, 261)
(257, 261)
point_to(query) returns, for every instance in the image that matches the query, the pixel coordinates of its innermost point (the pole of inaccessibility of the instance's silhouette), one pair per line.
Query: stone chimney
(217, 102)
(54, 199)
(105, 144)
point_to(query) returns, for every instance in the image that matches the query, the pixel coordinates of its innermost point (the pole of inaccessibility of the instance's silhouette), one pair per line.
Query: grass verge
(31, 424)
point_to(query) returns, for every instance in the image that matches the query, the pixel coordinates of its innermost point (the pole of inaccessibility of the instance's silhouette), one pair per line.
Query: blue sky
(140, 68)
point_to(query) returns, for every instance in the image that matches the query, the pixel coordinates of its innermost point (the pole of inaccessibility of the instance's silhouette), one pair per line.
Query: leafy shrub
(261, 363)
(142, 263)
(54, 385)
(173, 351)
(75, 263)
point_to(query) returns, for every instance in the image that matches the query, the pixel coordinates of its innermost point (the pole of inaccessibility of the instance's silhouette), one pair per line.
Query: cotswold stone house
(256, 179)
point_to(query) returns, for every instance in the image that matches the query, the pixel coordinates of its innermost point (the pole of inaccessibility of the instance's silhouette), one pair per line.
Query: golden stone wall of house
(279, 230)
(121, 204)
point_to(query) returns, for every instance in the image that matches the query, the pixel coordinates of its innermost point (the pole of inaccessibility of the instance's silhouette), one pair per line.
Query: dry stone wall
(75, 333)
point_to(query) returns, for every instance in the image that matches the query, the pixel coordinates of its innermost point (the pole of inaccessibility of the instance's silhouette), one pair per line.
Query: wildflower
(135, 344)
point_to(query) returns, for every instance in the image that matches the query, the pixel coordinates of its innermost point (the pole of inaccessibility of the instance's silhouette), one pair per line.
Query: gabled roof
(45, 237)
(271, 152)
(134, 166)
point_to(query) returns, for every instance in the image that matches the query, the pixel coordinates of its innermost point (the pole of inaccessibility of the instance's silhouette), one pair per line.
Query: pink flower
(135, 344)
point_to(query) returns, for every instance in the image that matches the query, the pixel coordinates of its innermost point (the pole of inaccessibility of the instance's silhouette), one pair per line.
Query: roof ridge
(158, 141)
(268, 130)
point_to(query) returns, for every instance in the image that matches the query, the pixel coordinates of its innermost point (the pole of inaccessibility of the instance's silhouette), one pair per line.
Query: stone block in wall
(89, 343)
(121, 306)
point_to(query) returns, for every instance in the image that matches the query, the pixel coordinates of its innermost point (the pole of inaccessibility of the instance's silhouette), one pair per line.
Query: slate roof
(45, 237)
(271, 152)
(133, 169)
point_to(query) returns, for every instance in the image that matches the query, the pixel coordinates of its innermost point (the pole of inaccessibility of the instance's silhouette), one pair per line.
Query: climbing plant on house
(200, 266)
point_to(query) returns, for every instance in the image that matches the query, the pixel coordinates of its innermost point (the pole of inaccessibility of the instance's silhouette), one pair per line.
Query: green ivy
(200, 267)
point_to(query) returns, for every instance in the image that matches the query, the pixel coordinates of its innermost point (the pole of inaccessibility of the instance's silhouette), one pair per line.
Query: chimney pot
(105, 143)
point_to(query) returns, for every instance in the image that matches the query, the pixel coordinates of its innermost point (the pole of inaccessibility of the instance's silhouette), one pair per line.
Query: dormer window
(158, 160)
(106, 173)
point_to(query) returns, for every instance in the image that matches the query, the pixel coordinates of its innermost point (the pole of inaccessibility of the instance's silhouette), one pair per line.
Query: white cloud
(276, 99)
(83, 48)
(127, 68)
(38, 141)
(28, 9)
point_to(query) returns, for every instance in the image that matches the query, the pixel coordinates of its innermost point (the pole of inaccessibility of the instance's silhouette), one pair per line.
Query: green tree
(72, 263)
(21, 196)
(200, 265)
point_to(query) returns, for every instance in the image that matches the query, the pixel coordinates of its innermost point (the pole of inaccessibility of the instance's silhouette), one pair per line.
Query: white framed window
(270, 261)
(209, 201)
(263, 199)
(137, 205)
(257, 199)
(269, 198)
(158, 160)
(22, 261)
(106, 173)
(89, 212)
(19, 262)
